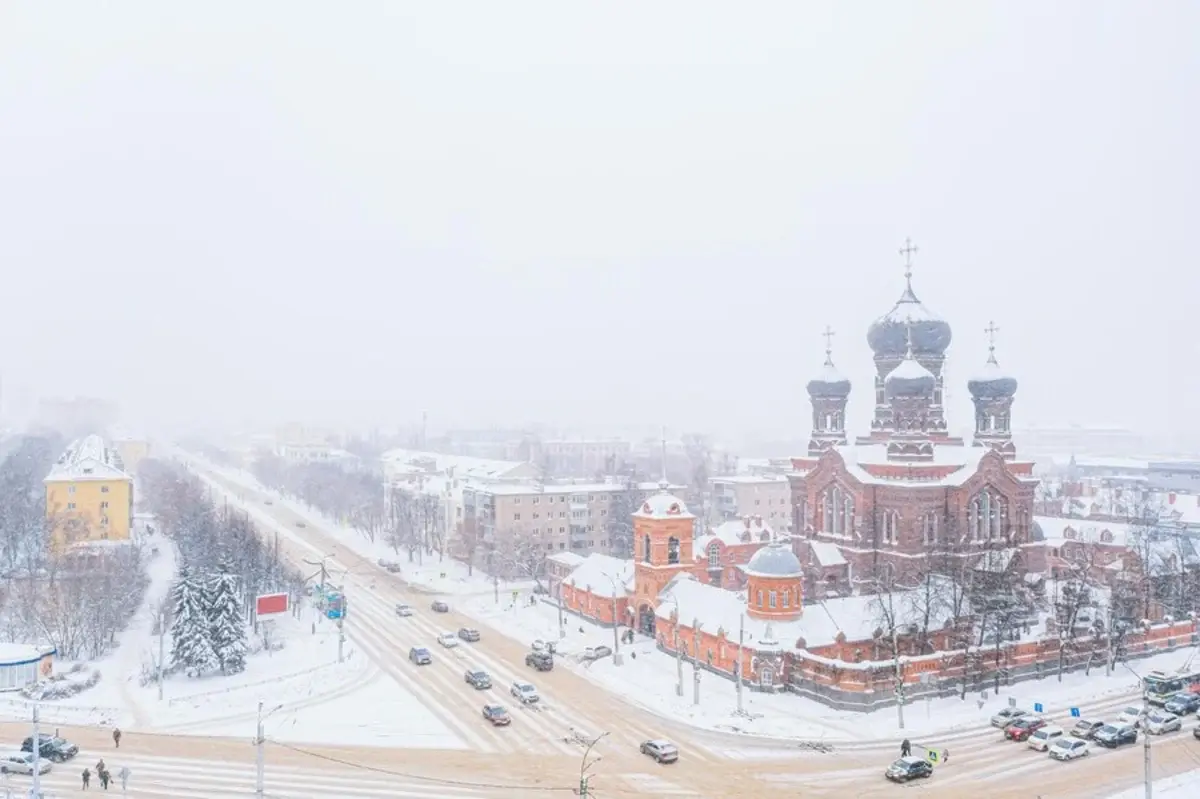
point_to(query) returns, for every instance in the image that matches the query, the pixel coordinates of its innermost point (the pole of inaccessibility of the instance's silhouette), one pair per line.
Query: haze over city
(237, 214)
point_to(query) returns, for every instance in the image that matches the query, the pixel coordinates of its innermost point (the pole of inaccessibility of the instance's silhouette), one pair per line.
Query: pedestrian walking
(104, 778)
(945, 756)
(117, 737)
(905, 748)
(124, 775)
(100, 767)
(87, 777)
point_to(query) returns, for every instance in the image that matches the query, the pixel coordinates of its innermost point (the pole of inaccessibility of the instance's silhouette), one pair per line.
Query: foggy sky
(592, 213)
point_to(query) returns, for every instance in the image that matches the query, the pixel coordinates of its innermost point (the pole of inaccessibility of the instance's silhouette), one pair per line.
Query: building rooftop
(87, 458)
(603, 576)
(564, 488)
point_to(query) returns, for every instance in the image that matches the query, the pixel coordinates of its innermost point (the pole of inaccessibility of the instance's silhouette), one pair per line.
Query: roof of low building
(603, 576)
(774, 560)
(87, 458)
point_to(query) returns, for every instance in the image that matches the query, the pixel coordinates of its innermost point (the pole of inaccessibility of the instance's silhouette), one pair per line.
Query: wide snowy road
(712, 765)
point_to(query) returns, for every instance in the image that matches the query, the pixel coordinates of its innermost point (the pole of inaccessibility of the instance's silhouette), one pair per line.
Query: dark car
(1085, 730)
(497, 715)
(469, 634)
(1114, 735)
(52, 748)
(1022, 728)
(908, 768)
(1182, 703)
(1196, 731)
(420, 655)
(542, 661)
(478, 679)
(439, 606)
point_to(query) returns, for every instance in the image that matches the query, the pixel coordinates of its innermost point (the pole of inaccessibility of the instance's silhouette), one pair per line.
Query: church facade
(872, 512)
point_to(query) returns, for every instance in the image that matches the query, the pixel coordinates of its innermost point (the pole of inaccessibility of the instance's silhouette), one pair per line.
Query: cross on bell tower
(908, 250)
(991, 331)
(829, 394)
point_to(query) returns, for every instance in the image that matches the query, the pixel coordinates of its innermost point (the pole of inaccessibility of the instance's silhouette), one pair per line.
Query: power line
(437, 780)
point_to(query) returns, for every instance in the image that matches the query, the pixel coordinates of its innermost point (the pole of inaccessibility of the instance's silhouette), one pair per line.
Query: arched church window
(646, 548)
(759, 597)
(714, 556)
(835, 502)
(672, 550)
(848, 511)
(929, 528)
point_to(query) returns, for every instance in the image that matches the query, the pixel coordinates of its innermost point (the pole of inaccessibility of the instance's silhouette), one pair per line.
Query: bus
(1159, 686)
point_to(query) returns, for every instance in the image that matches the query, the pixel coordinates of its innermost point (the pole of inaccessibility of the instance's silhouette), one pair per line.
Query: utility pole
(1146, 758)
(342, 627)
(617, 660)
(678, 656)
(737, 667)
(162, 634)
(37, 756)
(696, 624)
(562, 629)
(259, 763)
(899, 677)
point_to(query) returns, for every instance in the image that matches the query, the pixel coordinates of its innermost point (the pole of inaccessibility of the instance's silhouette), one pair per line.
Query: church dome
(888, 335)
(663, 506)
(830, 384)
(774, 560)
(992, 382)
(909, 379)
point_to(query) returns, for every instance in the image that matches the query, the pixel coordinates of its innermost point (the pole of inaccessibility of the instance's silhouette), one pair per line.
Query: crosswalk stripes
(176, 777)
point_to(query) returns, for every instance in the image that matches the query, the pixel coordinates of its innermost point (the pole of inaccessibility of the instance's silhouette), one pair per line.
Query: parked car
(544, 646)
(21, 763)
(1114, 735)
(51, 747)
(497, 715)
(542, 661)
(1159, 722)
(439, 606)
(1131, 715)
(662, 751)
(1022, 728)
(1007, 716)
(403, 610)
(1085, 730)
(525, 693)
(1043, 738)
(478, 679)
(1069, 748)
(908, 768)
(420, 655)
(448, 640)
(596, 652)
(301, 525)
(1182, 703)
(393, 568)
(469, 634)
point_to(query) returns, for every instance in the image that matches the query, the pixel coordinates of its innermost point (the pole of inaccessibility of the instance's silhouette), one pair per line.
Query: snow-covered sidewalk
(1180, 786)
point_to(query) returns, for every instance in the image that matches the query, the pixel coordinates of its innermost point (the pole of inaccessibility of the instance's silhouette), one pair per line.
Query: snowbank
(1182, 785)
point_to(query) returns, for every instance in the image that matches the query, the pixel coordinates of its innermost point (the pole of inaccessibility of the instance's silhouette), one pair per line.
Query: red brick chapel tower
(663, 532)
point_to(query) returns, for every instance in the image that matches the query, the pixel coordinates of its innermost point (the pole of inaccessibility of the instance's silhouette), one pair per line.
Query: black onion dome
(889, 334)
(909, 379)
(831, 384)
(992, 383)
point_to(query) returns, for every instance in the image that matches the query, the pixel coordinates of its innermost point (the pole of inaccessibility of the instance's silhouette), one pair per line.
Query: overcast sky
(593, 212)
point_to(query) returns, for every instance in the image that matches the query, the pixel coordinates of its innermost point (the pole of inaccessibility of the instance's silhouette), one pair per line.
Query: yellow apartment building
(89, 496)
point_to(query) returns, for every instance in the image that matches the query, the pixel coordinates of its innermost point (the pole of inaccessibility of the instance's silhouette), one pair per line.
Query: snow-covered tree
(191, 642)
(227, 629)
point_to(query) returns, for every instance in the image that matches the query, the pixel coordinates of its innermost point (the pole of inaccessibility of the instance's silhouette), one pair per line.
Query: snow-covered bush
(61, 686)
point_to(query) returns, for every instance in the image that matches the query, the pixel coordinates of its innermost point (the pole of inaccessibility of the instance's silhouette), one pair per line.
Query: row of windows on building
(577, 499)
(71, 489)
(562, 514)
(987, 518)
(777, 599)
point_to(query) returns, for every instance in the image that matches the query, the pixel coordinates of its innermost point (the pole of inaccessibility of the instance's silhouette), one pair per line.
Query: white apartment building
(741, 495)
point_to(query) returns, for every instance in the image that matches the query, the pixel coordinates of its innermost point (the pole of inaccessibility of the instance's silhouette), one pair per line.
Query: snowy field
(425, 572)
(650, 680)
(1177, 787)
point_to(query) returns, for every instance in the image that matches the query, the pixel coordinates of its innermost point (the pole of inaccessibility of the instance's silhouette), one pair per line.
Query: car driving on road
(52, 748)
(21, 763)
(420, 655)
(1007, 716)
(478, 679)
(525, 693)
(403, 610)
(1043, 738)
(1068, 748)
(468, 634)
(662, 751)
(1158, 723)
(1085, 730)
(448, 640)
(1022, 728)
(497, 715)
(542, 661)
(439, 606)
(1131, 715)
(908, 768)
(1182, 703)
(1114, 735)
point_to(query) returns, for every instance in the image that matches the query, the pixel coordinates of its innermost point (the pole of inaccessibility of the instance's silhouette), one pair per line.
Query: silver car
(21, 763)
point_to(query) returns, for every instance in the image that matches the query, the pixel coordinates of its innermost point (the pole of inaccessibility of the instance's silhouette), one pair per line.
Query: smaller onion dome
(831, 384)
(663, 506)
(774, 560)
(910, 378)
(993, 382)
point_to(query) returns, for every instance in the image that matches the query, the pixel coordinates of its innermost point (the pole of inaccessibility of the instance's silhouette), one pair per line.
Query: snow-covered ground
(1180, 786)
(425, 571)
(650, 679)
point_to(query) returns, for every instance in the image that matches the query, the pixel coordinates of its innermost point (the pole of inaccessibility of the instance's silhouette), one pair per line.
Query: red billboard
(270, 605)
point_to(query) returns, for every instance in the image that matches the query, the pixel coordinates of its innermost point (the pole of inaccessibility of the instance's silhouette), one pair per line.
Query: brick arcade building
(872, 510)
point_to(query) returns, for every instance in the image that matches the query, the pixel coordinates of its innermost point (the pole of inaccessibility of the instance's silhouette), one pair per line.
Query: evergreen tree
(227, 629)
(191, 645)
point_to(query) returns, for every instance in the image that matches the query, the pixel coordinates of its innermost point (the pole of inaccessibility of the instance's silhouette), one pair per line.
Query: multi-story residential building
(89, 496)
(132, 448)
(766, 495)
(581, 517)
(1181, 477)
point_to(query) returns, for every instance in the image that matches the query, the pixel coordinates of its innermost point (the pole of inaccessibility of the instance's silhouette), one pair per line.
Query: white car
(448, 640)
(1043, 738)
(1007, 716)
(1160, 722)
(1069, 748)
(539, 645)
(22, 763)
(525, 693)
(1131, 715)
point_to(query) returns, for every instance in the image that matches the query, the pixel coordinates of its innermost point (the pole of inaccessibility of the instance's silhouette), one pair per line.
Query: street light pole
(259, 758)
(37, 756)
(162, 623)
(696, 624)
(737, 667)
(616, 622)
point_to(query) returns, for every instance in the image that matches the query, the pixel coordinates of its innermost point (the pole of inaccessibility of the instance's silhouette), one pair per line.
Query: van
(1044, 738)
